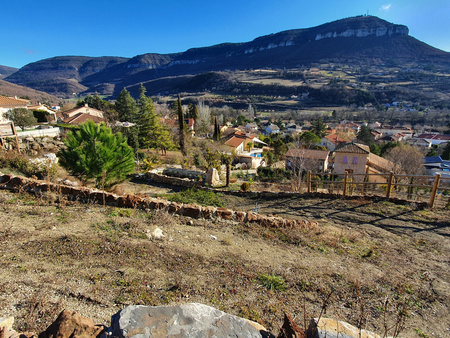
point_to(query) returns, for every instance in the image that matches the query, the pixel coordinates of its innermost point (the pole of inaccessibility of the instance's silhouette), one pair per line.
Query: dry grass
(96, 259)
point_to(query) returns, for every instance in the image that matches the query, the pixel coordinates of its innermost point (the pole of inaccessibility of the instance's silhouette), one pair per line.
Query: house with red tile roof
(7, 103)
(239, 142)
(81, 114)
(331, 141)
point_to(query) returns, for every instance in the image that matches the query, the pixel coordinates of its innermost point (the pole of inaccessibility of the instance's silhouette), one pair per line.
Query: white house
(7, 103)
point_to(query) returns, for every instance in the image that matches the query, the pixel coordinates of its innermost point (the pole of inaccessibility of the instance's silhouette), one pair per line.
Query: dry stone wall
(37, 187)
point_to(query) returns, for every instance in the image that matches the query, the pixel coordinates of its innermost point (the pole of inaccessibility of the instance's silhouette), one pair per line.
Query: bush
(272, 282)
(196, 196)
(27, 167)
(245, 186)
(273, 174)
(95, 153)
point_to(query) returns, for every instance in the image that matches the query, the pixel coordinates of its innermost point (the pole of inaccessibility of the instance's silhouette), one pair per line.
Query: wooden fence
(409, 187)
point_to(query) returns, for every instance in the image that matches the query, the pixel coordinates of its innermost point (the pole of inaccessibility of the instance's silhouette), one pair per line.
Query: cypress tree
(216, 130)
(181, 126)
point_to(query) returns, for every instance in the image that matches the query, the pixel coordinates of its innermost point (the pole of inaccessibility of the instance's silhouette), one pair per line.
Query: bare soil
(379, 263)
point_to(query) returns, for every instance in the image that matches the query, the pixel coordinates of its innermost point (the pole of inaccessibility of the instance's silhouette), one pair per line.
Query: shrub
(27, 167)
(245, 186)
(95, 153)
(272, 282)
(196, 196)
(273, 174)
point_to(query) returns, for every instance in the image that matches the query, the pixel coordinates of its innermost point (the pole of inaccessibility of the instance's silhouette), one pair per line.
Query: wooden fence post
(389, 186)
(344, 190)
(309, 181)
(437, 179)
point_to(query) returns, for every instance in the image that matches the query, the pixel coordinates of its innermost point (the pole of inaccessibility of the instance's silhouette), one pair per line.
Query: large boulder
(331, 328)
(212, 177)
(187, 320)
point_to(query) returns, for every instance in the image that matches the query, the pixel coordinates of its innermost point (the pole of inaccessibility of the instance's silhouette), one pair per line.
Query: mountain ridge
(347, 39)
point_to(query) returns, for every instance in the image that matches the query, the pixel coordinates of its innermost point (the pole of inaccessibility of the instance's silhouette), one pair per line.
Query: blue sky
(32, 30)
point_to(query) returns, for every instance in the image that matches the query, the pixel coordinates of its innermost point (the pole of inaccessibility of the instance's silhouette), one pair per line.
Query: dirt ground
(377, 265)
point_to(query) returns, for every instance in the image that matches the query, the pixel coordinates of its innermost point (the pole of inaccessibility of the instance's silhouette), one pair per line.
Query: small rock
(157, 234)
(70, 324)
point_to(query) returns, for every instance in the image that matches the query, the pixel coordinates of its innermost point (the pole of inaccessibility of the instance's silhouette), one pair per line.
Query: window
(345, 159)
(355, 160)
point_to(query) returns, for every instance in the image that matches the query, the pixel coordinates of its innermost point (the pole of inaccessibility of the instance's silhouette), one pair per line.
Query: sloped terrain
(376, 262)
(11, 89)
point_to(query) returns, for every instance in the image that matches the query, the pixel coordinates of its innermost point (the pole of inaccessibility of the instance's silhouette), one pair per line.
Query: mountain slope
(61, 75)
(11, 89)
(356, 38)
(6, 71)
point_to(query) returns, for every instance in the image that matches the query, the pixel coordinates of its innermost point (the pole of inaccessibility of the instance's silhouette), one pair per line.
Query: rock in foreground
(187, 320)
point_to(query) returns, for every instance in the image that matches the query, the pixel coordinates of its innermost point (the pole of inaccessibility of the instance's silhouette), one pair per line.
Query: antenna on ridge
(367, 13)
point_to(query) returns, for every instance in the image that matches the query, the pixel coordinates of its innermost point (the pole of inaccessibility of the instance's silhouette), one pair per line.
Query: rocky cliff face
(363, 32)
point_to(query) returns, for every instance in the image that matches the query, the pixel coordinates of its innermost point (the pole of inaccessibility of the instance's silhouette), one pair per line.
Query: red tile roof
(80, 118)
(11, 102)
(235, 141)
(335, 139)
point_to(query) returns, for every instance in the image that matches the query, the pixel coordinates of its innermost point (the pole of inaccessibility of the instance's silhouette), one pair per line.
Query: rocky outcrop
(187, 320)
(364, 32)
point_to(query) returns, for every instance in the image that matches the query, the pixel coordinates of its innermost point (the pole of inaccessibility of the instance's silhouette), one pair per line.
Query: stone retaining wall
(271, 194)
(37, 187)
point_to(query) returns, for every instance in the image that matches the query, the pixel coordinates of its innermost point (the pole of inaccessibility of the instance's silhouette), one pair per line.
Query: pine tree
(319, 127)
(151, 132)
(193, 111)
(446, 152)
(181, 126)
(365, 136)
(126, 107)
(94, 153)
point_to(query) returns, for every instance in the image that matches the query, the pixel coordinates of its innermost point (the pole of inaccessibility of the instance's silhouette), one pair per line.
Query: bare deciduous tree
(406, 159)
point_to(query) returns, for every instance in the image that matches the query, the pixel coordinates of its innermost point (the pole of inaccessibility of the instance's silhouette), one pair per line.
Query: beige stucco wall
(359, 168)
